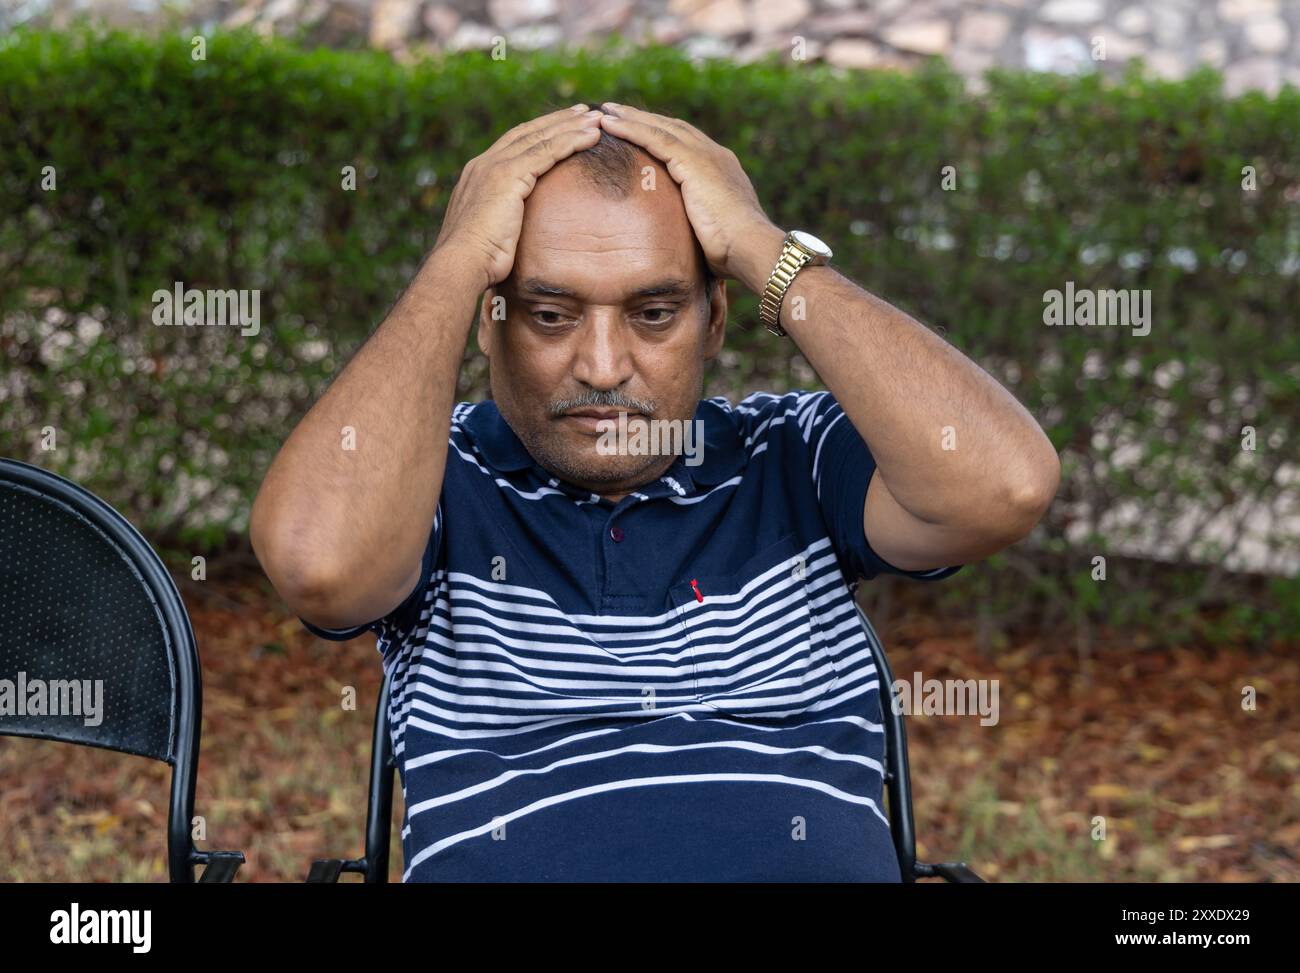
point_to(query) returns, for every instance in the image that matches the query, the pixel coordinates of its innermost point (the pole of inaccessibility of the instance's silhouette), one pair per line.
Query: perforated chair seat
(89, 620)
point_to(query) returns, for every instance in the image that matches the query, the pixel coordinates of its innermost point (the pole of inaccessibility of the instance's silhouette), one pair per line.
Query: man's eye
(549, 319)
(666, 312)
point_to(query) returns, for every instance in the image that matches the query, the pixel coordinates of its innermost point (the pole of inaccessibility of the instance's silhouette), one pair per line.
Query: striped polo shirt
(673, 687)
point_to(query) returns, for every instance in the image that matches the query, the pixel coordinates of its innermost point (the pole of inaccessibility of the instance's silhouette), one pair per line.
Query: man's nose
(603, 359)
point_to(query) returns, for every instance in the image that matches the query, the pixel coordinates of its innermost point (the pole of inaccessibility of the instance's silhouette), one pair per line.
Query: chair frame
(379, 808)
(187, 680)
(898, 780)
(898, 785)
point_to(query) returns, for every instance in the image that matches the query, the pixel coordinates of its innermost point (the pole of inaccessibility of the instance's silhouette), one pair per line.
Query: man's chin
(605, 473)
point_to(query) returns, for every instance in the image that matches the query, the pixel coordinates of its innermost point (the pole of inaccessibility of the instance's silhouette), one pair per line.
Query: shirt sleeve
(404, 616)
(841, 466)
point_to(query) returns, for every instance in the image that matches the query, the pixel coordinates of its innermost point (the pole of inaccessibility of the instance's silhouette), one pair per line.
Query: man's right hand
(485, 214)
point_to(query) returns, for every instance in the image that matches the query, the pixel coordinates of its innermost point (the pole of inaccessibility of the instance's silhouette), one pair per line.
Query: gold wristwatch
(800, 250)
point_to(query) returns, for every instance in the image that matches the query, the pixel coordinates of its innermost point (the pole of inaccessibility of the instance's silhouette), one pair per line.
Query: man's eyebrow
(669, 287)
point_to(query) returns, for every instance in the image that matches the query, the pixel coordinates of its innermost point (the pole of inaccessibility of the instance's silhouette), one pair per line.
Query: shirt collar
(496, 441)
(722, 455)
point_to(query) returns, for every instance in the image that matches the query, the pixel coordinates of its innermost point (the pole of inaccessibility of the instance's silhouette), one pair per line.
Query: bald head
(614, 168)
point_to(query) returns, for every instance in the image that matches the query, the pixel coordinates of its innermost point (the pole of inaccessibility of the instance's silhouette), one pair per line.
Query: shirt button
(616, 533)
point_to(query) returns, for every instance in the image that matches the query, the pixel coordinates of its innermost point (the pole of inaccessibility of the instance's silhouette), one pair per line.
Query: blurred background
(963, 159)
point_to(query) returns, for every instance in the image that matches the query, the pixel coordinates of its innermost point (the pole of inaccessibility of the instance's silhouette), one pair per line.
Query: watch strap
(792, 260)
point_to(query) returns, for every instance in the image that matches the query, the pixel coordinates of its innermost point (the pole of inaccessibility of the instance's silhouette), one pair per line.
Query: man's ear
(717, 327)
(486, 326)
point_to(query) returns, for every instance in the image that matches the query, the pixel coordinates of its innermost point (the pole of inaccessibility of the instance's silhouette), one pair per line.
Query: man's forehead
(564, 199)
(664, 287)
(595, 243)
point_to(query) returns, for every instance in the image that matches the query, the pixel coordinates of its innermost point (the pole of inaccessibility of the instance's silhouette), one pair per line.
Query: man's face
(604, 312)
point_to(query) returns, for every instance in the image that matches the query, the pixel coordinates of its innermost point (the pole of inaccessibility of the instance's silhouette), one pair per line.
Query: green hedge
(226, 173)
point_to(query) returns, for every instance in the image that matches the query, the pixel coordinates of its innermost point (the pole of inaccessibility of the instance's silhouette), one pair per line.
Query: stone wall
(1253, 42)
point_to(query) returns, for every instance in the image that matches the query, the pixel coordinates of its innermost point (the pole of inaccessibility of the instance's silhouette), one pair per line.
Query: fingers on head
(543, 153)
(575, 125)
(541, 122)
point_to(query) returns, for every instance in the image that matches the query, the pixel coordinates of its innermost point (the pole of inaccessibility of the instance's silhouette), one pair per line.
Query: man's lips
(601, 413)
(593, 421)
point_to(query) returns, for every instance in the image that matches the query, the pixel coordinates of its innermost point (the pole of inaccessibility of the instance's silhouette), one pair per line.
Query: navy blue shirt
(673, 687)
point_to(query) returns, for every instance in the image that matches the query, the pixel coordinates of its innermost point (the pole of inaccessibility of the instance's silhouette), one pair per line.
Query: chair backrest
(898, 782)
(379, 810)
(95, 645)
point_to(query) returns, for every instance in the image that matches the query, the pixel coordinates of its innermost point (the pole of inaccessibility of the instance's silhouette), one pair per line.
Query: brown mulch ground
(1154, 744)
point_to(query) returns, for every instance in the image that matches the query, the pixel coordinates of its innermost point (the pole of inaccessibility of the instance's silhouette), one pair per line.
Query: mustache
(602, 400)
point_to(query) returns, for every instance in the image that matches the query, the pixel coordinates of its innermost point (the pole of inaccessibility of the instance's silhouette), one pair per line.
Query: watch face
(810, 242)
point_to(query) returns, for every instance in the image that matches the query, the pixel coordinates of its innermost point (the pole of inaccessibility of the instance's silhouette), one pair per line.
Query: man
(614, 661)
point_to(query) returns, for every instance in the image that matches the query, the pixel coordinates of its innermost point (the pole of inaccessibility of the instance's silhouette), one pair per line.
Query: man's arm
(341, 532)
(898, 383)
(901, 385)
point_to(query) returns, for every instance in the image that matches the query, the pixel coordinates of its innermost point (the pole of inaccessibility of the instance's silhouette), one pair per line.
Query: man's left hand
(720, 201)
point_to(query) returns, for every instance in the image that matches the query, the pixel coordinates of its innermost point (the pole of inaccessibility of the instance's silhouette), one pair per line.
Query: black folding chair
(898, 786)
(85, 600)
(898, 781)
